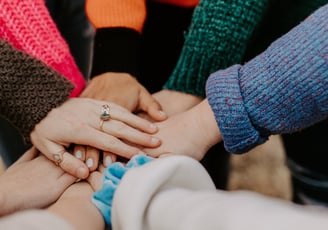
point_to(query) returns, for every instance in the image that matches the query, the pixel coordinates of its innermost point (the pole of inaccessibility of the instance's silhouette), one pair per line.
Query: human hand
(173, 102)
(31, 182)
(124, 90)
(189, 133)
(77, 122)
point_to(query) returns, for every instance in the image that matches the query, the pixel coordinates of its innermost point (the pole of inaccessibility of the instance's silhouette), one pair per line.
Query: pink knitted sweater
(28, 26)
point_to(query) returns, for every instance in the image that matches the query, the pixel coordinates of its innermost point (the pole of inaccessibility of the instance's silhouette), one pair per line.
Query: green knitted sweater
(217, 38)
(220, 33)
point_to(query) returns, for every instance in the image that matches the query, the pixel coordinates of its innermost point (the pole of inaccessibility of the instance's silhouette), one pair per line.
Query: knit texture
(217, 38)
(28, 26)
(113, 175)
(28, 89)
(283, 90)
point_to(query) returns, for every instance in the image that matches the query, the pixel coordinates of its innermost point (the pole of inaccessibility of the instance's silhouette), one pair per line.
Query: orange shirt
(124, 13)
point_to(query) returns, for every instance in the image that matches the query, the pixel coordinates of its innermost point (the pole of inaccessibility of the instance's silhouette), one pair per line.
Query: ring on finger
(104, 116)
(58, 158)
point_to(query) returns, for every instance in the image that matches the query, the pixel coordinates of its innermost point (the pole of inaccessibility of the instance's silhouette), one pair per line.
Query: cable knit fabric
(113, 175)
(282, 90)
(28, 89)
(28, 26)
(217, 38)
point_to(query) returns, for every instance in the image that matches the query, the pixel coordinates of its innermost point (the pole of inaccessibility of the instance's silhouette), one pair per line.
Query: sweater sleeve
(216, 39)
(283, 90)
(28, 89)
(117, 41)
(28, 26)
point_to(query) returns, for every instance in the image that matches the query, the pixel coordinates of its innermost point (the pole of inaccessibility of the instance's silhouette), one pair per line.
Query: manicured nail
(89, 162)
(154, 140)
(78, 154)
(153, 126)
(142, 153)
(82, 172)
(108, 161)
(162, 113)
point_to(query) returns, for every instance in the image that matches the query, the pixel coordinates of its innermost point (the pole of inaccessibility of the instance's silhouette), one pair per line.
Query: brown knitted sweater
(28, 89)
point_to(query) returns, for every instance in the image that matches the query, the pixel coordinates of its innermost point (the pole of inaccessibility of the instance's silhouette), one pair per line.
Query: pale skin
(190, 133)
(124, 90)
(75, 206)
(25, 184)
(77, 121)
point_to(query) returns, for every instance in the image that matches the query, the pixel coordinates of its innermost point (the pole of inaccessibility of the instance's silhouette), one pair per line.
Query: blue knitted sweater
(283, 90)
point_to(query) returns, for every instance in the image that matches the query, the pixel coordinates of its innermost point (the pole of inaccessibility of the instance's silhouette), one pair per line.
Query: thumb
(149, 105)
(27, 156)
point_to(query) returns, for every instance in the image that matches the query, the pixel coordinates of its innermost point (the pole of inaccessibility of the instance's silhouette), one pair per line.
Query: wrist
(207, 125)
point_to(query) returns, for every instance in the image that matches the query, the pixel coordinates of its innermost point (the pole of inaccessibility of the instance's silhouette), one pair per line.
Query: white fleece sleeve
(177, 193)
(34, 220)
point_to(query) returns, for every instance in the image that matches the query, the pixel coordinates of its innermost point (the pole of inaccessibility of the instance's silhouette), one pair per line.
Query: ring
(58, 158)
(104, 116)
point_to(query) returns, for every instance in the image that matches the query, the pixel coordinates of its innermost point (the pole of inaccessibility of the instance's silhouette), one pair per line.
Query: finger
(108, 158)
(92, 158)
(121, 114)
(28, 155)
(125, 132)
(149, 105)
(68, 162)
(91, 137)
(79, 152)
(95, 180)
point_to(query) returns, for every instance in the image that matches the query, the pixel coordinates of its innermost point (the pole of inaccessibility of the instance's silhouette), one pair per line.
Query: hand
(31, 182)
(173, 102)
(77, 121)
(126, 91)
(76, 208)
(189, 133)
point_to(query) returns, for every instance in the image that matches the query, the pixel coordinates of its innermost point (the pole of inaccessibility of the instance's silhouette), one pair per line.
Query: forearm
(118, 28)
(78, 210)
(217, 38)
(282, 90)
(28, 89)
(28, 26)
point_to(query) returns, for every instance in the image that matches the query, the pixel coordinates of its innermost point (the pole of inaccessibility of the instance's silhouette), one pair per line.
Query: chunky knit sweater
(28, 26)
(28, 89)
(282, 90)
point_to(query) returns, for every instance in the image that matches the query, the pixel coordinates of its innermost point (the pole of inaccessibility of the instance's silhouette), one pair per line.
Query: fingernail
(78, 154)
(153, 127)
(82, 172)
(108, 161)
(89, 162)
(154, 140)
(162, 113)
(142, 153)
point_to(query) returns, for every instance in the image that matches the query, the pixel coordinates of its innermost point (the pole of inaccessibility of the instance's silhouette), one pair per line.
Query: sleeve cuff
(224, 96)
(116, 50)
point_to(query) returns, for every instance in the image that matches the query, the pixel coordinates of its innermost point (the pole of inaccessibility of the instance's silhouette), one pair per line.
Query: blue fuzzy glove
(103, 198)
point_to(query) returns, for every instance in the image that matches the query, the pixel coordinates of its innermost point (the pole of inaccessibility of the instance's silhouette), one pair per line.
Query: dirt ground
(262, 170)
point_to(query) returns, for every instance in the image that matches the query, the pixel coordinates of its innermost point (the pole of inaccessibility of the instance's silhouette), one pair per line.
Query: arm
(182, 185)
(217, 38)
(21, 21)
(218, 35)
(282, 90)
(28, 89)
(116, 53)
(24, 185)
